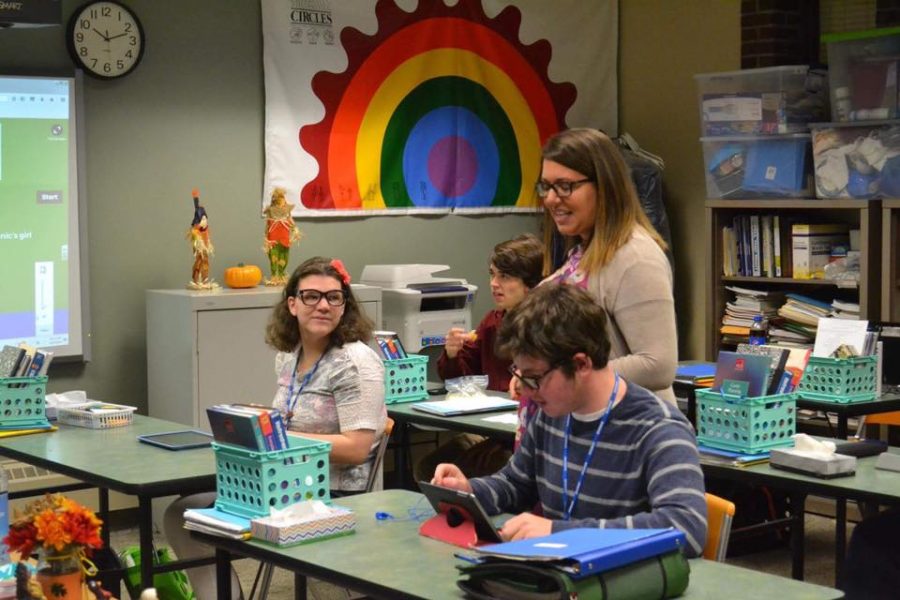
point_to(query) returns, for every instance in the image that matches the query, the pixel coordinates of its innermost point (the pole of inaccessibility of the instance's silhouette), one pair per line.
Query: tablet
(178, 440)
(446, 500)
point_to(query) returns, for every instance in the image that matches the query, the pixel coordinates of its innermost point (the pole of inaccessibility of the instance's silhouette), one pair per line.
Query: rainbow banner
(399, 107)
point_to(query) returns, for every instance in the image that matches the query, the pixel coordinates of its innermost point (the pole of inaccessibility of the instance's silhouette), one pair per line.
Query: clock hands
(116, 36)
(105, 37)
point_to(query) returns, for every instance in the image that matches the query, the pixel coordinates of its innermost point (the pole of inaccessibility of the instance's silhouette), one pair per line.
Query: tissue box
(340, 521)
(835, 465)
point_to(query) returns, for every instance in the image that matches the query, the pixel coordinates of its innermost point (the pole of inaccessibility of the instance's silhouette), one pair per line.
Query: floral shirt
(569, 273)
(345, 392)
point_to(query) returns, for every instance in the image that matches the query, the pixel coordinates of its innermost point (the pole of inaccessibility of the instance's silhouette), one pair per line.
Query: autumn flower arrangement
(59, 529)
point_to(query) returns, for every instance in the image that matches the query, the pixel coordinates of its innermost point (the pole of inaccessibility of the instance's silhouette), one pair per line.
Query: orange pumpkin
(243, 276)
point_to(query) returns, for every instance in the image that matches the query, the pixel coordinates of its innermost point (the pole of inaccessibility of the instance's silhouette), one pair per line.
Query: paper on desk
(831, 333)
(505, 418)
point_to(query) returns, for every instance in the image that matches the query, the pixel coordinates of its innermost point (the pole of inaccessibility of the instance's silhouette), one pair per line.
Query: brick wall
(779, 32)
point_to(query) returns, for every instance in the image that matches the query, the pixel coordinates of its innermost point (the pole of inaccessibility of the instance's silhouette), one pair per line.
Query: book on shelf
(768, 263)
(776, 246)
(755, 246)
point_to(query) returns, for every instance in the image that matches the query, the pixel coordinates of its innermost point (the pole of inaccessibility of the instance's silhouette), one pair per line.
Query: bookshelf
(858, 214)
(890, 260)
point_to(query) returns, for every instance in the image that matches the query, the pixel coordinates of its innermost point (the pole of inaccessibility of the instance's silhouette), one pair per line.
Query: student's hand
(456, 337)
(525, 526)
(449, 476)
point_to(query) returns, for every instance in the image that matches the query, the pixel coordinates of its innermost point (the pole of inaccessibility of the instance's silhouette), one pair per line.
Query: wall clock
(105, 38)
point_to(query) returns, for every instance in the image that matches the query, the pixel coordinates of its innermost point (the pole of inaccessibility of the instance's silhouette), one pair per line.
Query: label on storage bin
(733, 108)
(735, 388)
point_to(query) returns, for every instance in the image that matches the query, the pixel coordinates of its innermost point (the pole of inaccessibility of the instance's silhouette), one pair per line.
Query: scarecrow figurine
(202, 247)
(280, 233)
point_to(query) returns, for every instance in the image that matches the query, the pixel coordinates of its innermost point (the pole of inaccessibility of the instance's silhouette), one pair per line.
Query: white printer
(420, 307)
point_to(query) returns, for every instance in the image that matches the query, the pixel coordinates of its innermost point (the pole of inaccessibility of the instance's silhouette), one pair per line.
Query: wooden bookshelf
(890, 260)
(858, 214)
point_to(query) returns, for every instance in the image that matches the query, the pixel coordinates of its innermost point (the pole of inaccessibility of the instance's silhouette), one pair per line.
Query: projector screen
(43, 302)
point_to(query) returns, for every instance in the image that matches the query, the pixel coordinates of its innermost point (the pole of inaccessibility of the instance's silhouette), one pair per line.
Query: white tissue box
(340, 521)
(834, 465)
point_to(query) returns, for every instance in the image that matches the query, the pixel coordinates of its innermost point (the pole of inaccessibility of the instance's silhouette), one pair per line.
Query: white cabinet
(206, 348)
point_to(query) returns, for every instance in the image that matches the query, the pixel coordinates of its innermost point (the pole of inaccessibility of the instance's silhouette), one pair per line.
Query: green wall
(192, 115)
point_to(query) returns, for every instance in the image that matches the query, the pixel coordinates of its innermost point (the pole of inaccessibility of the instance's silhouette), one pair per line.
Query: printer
(418, 306)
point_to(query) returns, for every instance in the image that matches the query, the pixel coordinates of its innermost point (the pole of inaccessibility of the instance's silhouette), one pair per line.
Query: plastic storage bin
(758, 166)
(22, 403)
(839, 380)
(92, 416)
(771, 100)
(857, 160)
(249, 483)
(747, 425)
(863, 70)
(405, 379)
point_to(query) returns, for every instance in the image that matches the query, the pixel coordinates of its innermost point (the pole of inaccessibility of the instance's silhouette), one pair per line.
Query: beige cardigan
(635, 289)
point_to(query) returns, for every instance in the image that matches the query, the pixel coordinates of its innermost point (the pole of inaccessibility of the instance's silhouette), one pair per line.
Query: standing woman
(330, 383)
(613, 252)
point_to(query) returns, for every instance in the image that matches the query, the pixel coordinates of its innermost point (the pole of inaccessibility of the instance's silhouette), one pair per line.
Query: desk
(389, 559)
(868, 484)
(113, 459)
(405, 415)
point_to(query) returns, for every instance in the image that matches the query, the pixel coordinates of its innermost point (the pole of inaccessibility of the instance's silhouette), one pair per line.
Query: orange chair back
(888, 418)
(719, 514)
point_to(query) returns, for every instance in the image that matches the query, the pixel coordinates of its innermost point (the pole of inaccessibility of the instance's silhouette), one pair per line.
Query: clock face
(106, 39)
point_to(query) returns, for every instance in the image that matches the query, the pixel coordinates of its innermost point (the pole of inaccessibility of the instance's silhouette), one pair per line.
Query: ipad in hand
(461, 506)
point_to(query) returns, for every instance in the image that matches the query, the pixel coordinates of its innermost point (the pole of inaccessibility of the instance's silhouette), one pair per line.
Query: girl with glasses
(613, 252)
(330, 387)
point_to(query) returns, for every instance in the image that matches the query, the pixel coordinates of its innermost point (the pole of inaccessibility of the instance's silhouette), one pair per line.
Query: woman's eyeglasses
(562, 188)
(313, 297)
(532, 382)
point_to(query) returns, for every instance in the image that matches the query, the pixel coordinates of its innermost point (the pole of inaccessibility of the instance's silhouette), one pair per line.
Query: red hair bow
(338, 266)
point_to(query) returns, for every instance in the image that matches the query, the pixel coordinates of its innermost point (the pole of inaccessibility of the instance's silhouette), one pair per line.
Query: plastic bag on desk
(469, 386)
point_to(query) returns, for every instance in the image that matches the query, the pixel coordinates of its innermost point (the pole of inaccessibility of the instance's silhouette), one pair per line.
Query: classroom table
(867, 484)
(389, 559)
(405, 417)
(113, 459)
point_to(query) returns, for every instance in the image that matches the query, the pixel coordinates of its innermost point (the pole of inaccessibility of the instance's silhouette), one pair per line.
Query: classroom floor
(819, 563)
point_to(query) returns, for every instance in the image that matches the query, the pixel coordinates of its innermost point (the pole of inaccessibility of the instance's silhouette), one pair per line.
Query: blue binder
(586, 551)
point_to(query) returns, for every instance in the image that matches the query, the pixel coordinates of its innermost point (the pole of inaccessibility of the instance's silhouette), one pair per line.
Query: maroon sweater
(478, 358)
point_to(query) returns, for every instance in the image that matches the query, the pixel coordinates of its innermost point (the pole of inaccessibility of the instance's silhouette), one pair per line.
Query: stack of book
(217, 522)
(388, 344)
(845, 310)
(250, 426)
(739, 313)
(801, 316)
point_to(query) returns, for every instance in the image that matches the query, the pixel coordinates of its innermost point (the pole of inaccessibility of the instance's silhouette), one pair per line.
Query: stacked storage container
(857, 154)
(755, 132)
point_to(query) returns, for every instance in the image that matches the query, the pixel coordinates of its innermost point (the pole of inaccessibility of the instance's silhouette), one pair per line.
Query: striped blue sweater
(644, 473)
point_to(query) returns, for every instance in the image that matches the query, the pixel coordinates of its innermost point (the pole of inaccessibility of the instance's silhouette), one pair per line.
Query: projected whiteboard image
(39, 229)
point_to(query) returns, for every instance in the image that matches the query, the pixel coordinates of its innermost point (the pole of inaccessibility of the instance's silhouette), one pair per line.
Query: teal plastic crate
(746, 425)
(405, 379)
(22, 403)
(249, 483)
(839, 380)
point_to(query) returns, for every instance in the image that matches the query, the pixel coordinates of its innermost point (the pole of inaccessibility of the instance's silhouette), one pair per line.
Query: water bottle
(4, 515)
(759, 331)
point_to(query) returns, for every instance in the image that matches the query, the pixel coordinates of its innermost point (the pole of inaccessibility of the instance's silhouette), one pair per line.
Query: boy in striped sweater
(630, 458)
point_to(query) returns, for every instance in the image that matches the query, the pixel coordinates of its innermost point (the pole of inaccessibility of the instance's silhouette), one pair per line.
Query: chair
(719, 514)
(266, 569)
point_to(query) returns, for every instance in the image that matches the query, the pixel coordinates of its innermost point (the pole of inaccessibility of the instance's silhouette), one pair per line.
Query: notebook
(742, 374)
(465, 405)
(584, 551)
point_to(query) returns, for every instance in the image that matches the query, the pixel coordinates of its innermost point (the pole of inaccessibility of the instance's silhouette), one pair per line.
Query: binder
(235, 427)
(587, 551)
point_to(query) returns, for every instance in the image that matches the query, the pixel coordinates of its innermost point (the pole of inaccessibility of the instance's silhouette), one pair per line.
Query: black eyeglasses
(562, 188)
(532, 382)
(312, 297)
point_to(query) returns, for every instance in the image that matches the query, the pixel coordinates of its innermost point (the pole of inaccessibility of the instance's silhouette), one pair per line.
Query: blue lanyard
(587, 459)
(291, 398)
